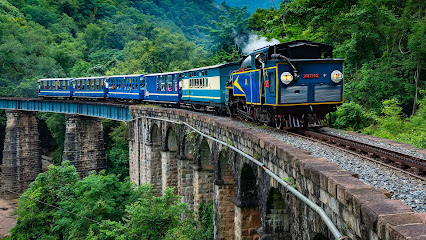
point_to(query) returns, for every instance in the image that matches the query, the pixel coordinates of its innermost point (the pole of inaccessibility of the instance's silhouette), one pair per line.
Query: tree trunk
(416, 80)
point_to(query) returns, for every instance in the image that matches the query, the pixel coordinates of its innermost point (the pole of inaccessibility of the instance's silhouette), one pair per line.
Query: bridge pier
(21, 154)
(84, 145)
(224, 191)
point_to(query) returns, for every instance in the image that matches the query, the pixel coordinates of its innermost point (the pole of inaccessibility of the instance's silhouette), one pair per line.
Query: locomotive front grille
(294, 94)
(328, 93)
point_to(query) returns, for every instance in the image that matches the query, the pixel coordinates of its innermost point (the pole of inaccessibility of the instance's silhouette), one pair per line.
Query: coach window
(158, 83)
(143, 82)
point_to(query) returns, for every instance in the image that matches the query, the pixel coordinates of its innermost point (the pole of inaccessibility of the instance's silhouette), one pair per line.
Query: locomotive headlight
(336, 76)
(286, 78)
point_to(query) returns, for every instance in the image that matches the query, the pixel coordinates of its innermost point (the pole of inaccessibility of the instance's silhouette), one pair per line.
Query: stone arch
(190, 143)
(171, 140)
(225, 167)
(155, 135)
(247, 215)
(277, 221)
(205, 155)
(248, 185)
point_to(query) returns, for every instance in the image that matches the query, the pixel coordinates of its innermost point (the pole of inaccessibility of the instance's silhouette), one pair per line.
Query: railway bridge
(248, 202)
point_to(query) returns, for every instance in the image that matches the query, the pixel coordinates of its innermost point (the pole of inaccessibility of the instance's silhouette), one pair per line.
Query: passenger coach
(89, 87)
(55, 87)
(131, 87)
(205, 87)
(163, 88)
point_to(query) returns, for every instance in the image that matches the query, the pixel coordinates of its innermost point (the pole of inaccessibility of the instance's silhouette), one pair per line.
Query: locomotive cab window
(260, 60)
(271, 76)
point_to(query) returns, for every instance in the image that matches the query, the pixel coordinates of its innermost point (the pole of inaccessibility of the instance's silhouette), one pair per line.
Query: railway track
(411, 165)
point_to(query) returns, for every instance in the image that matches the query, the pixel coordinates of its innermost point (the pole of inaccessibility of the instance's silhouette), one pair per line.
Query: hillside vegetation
(49, 38)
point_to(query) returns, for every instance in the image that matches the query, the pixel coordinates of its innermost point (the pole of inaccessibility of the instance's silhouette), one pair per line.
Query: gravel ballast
(410, 190)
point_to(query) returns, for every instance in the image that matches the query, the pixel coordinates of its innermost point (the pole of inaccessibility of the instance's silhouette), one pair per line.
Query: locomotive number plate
(310, 75)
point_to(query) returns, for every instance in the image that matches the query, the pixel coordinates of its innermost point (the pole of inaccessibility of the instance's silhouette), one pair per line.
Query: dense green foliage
(67, 38)
(117, 148)
(125, 211)
(392, 124)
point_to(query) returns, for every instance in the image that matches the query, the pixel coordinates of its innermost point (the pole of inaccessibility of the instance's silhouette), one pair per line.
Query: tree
(35, 219)
(98, 197)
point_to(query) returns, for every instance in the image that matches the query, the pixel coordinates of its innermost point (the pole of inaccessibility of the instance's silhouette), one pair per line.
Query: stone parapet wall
(358, 210)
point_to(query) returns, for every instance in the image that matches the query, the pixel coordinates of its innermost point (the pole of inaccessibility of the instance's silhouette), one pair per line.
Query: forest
(381, 41)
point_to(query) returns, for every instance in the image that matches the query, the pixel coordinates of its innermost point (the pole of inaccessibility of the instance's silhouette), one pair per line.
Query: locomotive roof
(295, 43)
(54, 79)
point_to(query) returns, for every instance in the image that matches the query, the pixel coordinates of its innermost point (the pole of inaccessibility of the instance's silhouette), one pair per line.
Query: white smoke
(256, 42)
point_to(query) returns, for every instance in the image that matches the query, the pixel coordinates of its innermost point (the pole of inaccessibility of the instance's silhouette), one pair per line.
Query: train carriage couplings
(126, 87)
(55, 87)
(204, 88)
(90, 87)
(290, 85)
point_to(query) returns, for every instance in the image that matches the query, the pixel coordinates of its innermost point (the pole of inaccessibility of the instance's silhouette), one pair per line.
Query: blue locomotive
(293, 84)
(289, 85)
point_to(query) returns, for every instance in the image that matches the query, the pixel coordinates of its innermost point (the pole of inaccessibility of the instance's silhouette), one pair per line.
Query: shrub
(351, 116)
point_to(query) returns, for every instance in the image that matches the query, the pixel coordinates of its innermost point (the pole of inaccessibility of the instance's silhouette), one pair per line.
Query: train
(288, 85)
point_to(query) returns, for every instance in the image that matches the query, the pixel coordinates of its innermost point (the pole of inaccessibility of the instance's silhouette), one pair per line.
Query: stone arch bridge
(248, 203)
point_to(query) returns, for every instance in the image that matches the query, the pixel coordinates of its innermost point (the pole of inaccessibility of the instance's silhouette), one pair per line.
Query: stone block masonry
(84, 144)
(21, 154)
(259, 207)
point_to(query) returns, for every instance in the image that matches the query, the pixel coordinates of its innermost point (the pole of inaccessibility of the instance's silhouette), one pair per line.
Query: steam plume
(256, 42)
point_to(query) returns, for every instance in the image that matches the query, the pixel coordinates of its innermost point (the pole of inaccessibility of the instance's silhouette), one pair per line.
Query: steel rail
(333, 229)
(418, 163)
